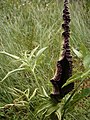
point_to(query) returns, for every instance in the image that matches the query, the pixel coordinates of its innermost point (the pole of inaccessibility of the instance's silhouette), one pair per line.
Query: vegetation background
(30, 45)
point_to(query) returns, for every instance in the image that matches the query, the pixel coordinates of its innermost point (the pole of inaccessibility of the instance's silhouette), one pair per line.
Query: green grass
(23, 27)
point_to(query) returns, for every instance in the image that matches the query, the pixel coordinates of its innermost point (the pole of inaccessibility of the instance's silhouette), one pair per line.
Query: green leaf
(44, 106)
(51, 109)
(77, 97)
(10, 55)
(47, 103)
(27, 92)
(13, 91)
(79, 76)
(18, 91)
(34, 93)
(58, 113)
(32, 52)
(75, 77)
(9, 73)
(79, 55)
(86, 61)
(40, 52)
(85, 74)
(82, 94)
(45, 94)
(83, 49)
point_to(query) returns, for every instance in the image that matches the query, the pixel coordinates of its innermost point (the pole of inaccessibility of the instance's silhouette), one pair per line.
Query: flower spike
(64, 65)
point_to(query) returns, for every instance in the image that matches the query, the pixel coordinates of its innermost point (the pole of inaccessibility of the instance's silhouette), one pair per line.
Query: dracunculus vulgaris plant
(57, 104)
(64, 65)
(61, 85)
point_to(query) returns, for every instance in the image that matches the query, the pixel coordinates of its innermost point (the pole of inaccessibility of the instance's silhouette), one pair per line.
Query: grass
(23, 27)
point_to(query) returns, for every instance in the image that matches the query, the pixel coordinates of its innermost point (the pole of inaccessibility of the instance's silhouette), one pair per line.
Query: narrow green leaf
(45, 94)
(25, 55)
(40, 52)
(18, 91)
(79, 76)
(73, 79)
(79, 55)
(32, 52)
(34, 93)
(51, 109)
(77, 97)
(34, 67)
(58, 113)
(43, 106)
(82, 94)
(75, 75)
(27, 92)
(10, 55)
(13, 71)
(85, 74)
(12, 91)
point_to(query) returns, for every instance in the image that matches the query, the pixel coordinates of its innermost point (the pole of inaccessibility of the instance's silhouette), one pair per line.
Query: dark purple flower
(64, 66)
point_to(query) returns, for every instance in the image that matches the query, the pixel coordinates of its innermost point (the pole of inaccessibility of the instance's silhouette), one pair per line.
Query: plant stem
(62, 117)
(37, 81)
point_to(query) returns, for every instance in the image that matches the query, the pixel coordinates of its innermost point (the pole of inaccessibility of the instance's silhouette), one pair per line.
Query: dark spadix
(64, 65)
